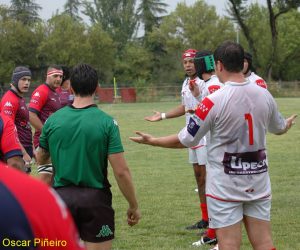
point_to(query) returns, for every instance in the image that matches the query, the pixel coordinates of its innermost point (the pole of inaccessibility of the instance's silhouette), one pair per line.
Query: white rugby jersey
(211, 85)
(257, 79)
(238, 117)
(190, 102)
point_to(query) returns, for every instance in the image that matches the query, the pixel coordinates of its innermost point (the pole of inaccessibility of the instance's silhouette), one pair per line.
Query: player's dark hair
(66, 74)
(84, 80)
(231, 54)
(54, 66)
(248, 57)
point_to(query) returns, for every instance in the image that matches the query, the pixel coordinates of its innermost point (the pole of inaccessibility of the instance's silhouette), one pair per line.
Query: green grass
(165, 183)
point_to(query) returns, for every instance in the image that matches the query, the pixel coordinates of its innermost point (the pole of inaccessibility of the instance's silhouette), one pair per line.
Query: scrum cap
(190, 53)
(18, 73)
(204, 62)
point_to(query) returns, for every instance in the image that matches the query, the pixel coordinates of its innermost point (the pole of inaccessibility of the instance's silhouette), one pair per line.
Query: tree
(239, 12)
(148, 11)
(4, 12)
(197, 26)
(135, 65)
(18, 45)
(103, 52)
(288, 56)
(277, 9)
(72, 9)
(25, 11)
(65, 42)
(117, 17)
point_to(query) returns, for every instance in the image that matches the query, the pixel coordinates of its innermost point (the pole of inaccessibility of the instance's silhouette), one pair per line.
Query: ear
(219, 66)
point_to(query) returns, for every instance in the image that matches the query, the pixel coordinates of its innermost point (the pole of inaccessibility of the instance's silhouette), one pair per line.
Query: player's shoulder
(9, 96)
(256, 79)
(43, 88)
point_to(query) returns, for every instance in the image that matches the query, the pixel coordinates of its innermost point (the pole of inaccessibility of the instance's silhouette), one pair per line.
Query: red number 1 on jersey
(248, 117)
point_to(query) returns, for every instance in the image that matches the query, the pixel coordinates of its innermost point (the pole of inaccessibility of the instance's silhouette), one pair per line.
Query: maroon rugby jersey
(9, 142)
(65, 96)
(14, 107)
(44, 101)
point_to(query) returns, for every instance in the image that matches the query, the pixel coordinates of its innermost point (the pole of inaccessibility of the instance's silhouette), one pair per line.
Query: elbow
(123, 173)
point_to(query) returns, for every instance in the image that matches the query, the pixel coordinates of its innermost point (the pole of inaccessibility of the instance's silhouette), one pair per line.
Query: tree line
(140, 44)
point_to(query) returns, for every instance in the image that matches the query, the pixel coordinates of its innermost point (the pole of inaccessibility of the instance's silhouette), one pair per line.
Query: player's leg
(93, 214)
(198, 158)
(257, 224)
(46, 178)
(200, 175)
(45, 172)
(226, 218)
(106, 245)
(230, 237)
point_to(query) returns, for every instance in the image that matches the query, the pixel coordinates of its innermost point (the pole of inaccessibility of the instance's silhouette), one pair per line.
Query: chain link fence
(166, 93)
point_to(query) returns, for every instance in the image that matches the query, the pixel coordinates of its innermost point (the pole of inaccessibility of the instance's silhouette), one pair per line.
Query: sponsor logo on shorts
(247, 163)
(104, 232)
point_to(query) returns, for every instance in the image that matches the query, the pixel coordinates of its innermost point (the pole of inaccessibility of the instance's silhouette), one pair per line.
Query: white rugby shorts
(198, 155)
(226, 213)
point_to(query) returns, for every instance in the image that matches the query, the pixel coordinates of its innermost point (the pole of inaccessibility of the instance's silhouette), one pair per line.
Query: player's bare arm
(170, 141)
(157, 116)
(16, 162)
(35, 121)
(42, 156)
(26, 156)
(124, 180)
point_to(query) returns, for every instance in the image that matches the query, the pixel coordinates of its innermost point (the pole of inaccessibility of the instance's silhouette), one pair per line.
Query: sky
(50, 6)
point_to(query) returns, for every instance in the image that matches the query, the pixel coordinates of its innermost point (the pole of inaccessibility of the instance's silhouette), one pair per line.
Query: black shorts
(92, 212)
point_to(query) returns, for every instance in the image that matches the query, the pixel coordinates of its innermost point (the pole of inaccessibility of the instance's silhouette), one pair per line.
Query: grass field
(165, 183)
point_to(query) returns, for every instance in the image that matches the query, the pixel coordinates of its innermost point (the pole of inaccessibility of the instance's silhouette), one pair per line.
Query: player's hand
(290, 121)
(154, 118)
(142, 138)
(133, 216)
(194, 88)
(26, 157)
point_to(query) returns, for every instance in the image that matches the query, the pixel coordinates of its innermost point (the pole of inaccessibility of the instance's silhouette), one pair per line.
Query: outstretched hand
(290, 121)
(142, 138)
(154, 118)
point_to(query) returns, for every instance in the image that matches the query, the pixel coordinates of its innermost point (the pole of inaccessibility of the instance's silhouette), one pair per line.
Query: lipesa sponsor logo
(247, 163)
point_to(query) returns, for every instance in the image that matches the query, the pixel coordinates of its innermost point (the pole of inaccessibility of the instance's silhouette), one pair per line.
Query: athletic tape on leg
(45, 169)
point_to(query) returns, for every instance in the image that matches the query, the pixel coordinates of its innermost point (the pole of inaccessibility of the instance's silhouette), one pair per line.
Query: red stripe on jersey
(261, 83)
(213, 88)
(204, 108)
